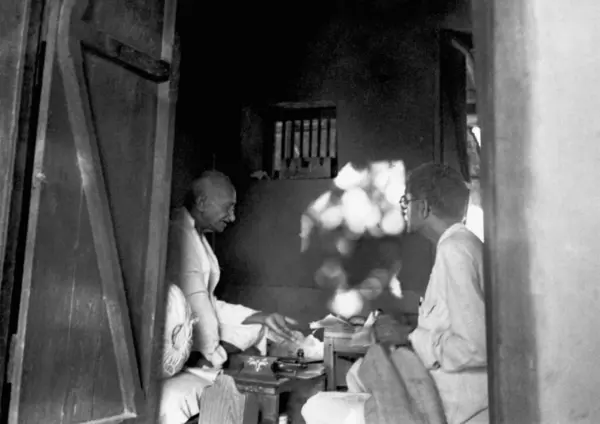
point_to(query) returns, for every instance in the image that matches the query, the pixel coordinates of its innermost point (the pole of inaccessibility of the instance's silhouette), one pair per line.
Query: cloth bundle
(313, 348)
(178, 332)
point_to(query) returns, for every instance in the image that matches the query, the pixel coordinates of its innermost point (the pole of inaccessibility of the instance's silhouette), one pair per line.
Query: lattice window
(302, 141)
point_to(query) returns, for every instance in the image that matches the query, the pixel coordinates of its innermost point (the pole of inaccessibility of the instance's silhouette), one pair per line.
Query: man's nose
(231, 217)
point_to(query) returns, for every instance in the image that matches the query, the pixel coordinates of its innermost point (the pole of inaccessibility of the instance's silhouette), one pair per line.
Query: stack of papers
(363, 336)
(329, 321)
(313, 348)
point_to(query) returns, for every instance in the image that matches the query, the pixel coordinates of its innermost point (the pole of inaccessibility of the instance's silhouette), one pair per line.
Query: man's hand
(276, 323)
(279, 325)
(388, 330)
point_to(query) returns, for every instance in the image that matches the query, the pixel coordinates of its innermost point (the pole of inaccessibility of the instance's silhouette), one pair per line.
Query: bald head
(214, 201)
(210, 184)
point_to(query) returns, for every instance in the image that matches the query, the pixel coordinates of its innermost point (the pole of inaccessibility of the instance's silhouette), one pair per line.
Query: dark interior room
(378, 62)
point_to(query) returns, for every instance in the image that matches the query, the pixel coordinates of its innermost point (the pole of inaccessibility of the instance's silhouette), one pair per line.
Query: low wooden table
(269, 392)
(337, 342)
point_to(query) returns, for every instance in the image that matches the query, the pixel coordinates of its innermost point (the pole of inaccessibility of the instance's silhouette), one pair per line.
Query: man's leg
(353, 381)
(339, 407)
(482, 417)
(335, 408)
(402, 389)
(180, 398)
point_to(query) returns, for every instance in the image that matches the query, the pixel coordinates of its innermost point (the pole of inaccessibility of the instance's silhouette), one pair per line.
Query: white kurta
(193, 266)
(450, 336)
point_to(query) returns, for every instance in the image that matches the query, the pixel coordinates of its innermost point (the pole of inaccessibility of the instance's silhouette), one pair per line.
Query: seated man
(450, 335)
(194, 268)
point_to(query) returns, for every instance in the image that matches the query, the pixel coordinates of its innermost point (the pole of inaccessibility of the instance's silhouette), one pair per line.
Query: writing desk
(268, 392)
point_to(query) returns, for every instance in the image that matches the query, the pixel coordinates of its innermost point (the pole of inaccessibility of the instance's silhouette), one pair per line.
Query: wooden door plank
(13, 39)
(16, 369)
(70, 61)
(12, 44)
(78, 110)
(21, 47)
(154, 298)
(126, 56)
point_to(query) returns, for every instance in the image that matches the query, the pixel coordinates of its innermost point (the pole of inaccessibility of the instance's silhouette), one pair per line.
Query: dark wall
(234, 55)
(378, 62)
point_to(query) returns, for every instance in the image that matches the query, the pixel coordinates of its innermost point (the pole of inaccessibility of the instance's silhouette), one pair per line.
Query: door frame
(17, 131)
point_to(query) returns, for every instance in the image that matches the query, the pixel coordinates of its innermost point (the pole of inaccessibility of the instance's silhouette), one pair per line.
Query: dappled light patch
(331, 275)
(346, 303)
(363, 203)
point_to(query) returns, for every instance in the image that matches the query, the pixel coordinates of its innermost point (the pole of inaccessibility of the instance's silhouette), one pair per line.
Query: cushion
(178, 332)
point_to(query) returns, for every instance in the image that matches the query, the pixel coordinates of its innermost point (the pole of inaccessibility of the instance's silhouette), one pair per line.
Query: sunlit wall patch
(362, 202)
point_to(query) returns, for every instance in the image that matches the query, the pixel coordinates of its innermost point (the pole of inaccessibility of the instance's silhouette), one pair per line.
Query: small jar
(283, 419)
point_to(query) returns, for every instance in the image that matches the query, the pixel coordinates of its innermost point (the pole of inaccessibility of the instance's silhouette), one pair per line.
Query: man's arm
(243, 326)
(232, 318)
(463, 344)
(185, 270)
(277, 324)
(233, 314)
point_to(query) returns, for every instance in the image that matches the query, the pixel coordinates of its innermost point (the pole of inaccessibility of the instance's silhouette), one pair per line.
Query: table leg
(329, 362)
(269, 409)
(251, 408)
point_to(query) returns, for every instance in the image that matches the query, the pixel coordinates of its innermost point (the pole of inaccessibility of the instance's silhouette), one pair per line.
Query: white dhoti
(349, 408)
(339, 407)
(335, 408)
(180, 399)
(194, 268)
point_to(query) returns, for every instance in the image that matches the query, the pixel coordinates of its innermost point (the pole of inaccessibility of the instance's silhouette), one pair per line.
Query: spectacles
(405, 201)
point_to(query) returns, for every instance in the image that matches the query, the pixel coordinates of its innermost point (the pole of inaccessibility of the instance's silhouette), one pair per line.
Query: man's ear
(426, 209)
(200, 203)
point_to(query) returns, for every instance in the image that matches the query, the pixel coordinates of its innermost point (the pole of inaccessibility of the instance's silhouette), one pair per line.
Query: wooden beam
(146, 66)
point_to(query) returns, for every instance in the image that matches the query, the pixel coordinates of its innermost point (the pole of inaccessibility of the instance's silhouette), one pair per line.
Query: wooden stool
(337, 341)
(268, 393)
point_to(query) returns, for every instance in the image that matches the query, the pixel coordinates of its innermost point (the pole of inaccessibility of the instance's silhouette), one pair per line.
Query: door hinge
(11, 359)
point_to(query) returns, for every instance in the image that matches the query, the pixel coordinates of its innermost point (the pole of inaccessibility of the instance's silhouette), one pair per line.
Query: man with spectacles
(450, 337)
(222, 328)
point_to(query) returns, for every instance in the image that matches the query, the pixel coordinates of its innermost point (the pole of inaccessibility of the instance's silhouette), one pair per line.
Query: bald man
(222, 327)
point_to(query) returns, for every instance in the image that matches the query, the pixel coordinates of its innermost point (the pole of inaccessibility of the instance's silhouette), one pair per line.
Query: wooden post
(539, 95)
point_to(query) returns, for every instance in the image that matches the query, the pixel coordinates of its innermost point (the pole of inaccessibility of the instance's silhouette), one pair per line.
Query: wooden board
(92, 296)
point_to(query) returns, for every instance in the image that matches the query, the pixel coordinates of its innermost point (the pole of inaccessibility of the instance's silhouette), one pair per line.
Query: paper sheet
(313, 348)
(364, 336)
(329, 321)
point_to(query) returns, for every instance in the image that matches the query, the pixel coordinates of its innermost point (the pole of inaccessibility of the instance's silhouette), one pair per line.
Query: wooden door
(89, 336)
